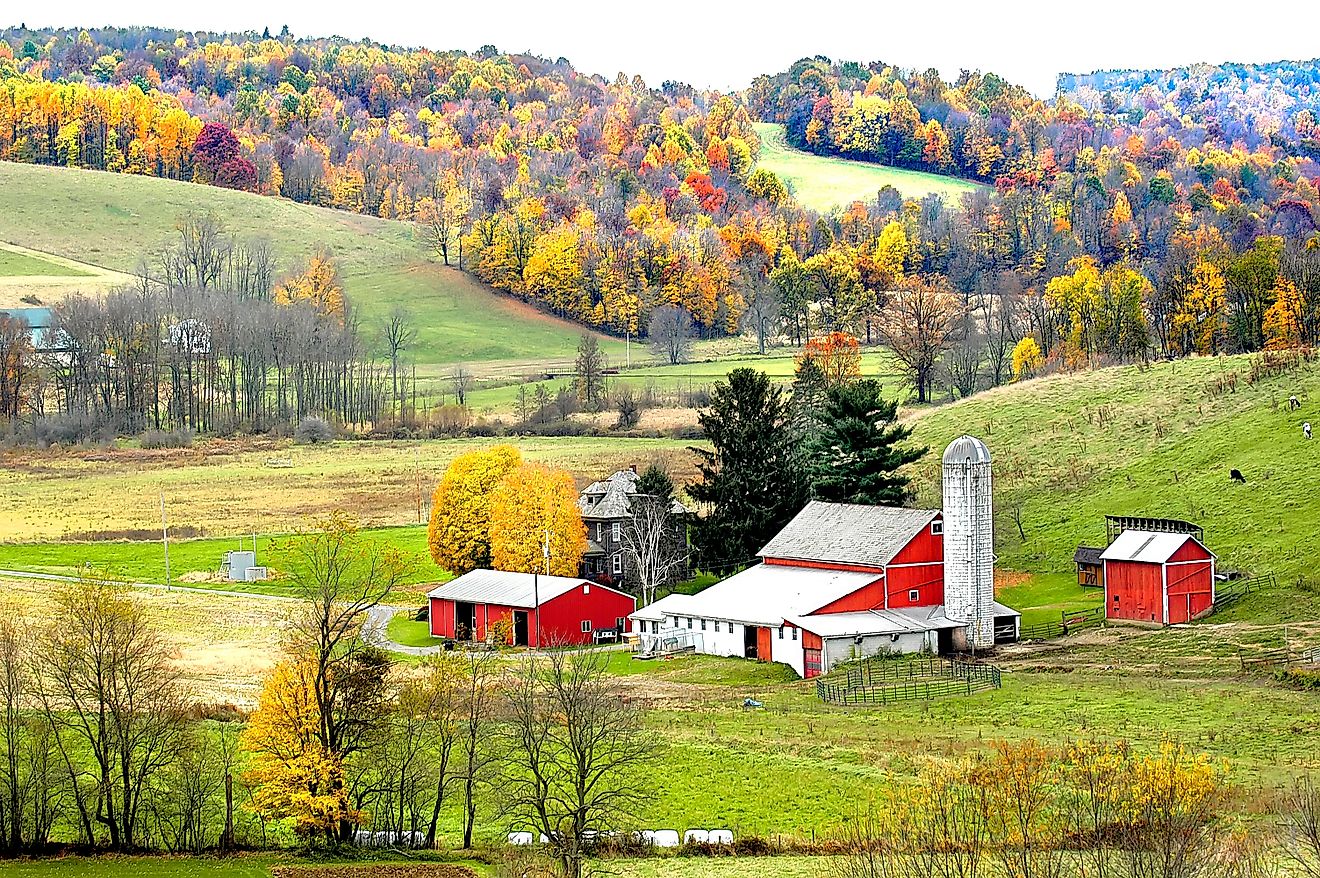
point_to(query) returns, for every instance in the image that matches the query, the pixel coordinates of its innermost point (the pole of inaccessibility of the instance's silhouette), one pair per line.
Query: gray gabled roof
(845, 533)
(507, 589)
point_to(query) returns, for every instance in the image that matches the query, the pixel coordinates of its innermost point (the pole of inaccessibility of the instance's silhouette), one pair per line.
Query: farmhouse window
(936, 528)
(586, 625)
(914, 595)
(618, 563)
(614, 531)
(600, 529)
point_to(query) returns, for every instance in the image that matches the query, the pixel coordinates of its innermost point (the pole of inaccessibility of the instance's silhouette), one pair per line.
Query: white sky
(724, 44)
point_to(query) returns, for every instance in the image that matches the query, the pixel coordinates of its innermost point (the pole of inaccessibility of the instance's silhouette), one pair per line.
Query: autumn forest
(1132, 215)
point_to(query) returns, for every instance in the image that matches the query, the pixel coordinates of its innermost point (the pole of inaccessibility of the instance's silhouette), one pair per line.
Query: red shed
(566, 611)
(1165, 578)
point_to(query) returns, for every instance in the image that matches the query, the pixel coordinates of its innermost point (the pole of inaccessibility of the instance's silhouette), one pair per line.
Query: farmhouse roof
(1088, 555)
(765, 594)
(612, 497)
(845, 533)
(506, 589)
(1147, 546)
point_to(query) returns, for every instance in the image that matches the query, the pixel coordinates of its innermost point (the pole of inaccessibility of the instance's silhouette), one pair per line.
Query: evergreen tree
(855, 455)
(751, 481)
(808, 396)
(655, 482)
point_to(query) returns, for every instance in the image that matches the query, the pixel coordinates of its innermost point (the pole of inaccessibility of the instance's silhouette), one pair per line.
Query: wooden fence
(1279, 657)
(1229, 593)
(887, 681)
(1069, 622)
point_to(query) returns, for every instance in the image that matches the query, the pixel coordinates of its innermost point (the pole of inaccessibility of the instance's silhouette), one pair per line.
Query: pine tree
(752, 480)
(856, 454)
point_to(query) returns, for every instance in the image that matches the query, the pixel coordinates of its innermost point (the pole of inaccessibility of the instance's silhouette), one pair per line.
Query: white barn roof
(846, 533)
(1147, 546)
(506, 589)
(765, 595)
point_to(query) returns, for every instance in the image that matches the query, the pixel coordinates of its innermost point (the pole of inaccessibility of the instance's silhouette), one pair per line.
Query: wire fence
(887, 681)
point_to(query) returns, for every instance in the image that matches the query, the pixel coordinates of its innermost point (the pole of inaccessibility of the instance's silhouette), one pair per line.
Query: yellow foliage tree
(531, 502)
(317, 284)
(891, 252)
(1027, 358)
(293, 777)
(459, 532)
(1282, 324)
(1201, 323)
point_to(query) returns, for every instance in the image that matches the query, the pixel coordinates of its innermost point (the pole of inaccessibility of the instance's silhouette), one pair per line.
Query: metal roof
(506, 589)
(1089, 555)
(765, 594)
(830, 625)
(845, 533)
(967, 449)
(1147, 546)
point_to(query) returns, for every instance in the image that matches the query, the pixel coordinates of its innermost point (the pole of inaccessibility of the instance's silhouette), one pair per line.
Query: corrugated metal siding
(1191, 590)
(562, 618)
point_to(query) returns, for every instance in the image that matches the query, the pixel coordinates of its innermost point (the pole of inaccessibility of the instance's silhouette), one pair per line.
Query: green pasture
(823, 183)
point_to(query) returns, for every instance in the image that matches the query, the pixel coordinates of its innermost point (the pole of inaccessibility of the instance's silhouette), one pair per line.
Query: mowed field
(824, 182)
(29, 278)
(112, 221)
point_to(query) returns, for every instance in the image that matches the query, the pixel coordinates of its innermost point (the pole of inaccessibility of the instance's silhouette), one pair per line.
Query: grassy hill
(111, 220)
(823, 182)
(1158, 441)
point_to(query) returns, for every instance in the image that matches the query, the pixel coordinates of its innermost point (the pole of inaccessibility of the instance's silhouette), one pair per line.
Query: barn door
(810, 663)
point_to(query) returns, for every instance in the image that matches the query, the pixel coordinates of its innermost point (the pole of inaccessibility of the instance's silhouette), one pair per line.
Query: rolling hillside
(1070, 449)
(822, 183)
(109, 221)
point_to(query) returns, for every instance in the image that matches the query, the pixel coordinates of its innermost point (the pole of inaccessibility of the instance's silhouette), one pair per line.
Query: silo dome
(966, 449)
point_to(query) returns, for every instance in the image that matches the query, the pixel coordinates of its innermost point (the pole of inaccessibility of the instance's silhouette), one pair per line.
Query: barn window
(614, 531)
(794, 634)
(618, 622)
(781, 632)
(936, 528)
(618, 563)
(586, 589)
(1115, 599)
(914, 594)
(703, 624)
(586, 625)
(689, 621)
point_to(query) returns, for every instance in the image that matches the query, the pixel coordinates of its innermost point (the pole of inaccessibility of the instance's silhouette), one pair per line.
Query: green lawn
(239, 866)
(15, 264)
(822, 182)
(405, 630)
(1046, 596)
(113, 220)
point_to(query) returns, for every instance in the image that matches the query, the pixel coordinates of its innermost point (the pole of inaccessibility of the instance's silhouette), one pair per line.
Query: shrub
(1299, 678)
(625, 403)
(181, 438)
(78, 428)
(312, 430)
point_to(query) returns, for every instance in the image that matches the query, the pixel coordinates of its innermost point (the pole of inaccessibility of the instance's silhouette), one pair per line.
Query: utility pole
(417, 469)
(165, 537)
(536, 586)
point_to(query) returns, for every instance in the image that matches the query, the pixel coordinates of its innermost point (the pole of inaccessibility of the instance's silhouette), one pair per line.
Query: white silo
(969, 560)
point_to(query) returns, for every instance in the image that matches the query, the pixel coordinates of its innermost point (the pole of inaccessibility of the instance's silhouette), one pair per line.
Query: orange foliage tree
(533, 502)
(459, 532)
(837, 355)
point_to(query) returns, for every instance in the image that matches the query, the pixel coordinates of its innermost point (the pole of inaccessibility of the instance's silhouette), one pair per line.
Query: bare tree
(654, 543)
(764, 314)
(480, 690)
(1301, 817)
(340, 575)
(460, 379)
(670, 331)
(398, 336)
(589, 372)
(110, 691)
(916, 324)
(576, 751)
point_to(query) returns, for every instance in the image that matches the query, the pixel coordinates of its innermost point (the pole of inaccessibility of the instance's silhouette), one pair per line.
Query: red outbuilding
(1164, 578)
(549, 610)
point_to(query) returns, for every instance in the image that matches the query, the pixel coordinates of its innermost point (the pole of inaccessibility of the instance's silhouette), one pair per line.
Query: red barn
(1165, 578)
(563, 610)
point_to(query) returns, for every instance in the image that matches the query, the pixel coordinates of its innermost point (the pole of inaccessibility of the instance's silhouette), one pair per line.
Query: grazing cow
(1236, 476)
(1306, 429)
(1294, 403)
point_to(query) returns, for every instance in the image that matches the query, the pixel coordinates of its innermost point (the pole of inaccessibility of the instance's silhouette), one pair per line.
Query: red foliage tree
(216, 146)
(237, 173)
